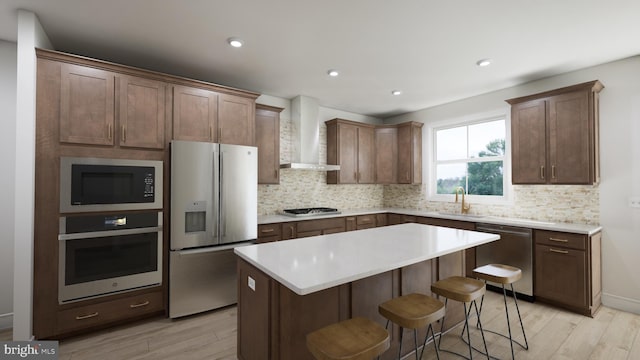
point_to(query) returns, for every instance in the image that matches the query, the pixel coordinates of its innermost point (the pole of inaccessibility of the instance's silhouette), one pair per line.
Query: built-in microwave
(97, 184)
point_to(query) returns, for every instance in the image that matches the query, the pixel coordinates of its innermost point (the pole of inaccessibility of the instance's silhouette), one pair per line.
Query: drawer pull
(82, 317)
(559, 251)
(266, 230)
(133, 306)
(559, 240)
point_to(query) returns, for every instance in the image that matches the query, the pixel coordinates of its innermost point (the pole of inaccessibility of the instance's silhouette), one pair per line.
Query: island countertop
(325, 261)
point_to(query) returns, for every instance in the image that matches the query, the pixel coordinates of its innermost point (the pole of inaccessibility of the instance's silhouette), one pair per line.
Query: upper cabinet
(268, 143)
(142, 112)
(410, 153)
(87, 100)
(195, 114)
(386, 145)
(205, 115)
(554, 136)
(351, 145)
(90, 104)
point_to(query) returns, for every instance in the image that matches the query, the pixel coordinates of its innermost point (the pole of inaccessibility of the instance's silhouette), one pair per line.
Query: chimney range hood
(305, 140)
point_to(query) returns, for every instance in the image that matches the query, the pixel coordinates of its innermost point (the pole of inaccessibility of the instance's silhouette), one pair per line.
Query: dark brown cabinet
(386, 145)
(236, 120)
(88, 108)
(268, 143)
(554, 136)
(269, 233)
(87, 105)
(410, 153)
(567, 270)
(195, 114)
(142, 112)
(320, 227)
(350, 145)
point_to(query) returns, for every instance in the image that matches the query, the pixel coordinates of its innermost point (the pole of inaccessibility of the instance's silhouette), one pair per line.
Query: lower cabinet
(568, 270)
(320, 227)
(81, 318)
(269, 233)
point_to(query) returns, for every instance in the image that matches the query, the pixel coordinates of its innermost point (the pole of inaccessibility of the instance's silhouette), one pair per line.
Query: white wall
(7, 179)
(620, 163)
(30, 36)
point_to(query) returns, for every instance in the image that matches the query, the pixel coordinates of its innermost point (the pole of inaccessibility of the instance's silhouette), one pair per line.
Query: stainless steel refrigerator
(214, 208)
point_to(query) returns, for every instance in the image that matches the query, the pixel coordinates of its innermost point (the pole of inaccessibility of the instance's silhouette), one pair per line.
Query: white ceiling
(426, 49)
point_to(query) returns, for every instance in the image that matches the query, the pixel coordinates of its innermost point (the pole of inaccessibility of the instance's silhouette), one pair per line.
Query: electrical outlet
(634, 202)
(251, 282)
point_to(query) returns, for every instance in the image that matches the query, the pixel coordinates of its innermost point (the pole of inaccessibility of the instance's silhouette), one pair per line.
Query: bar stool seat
(413, 311)
(464, 290)
(504, 275)
(353, 339)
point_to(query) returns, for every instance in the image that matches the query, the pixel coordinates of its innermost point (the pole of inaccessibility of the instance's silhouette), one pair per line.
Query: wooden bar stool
(414, 311)
(503, 274)
(464, 290)
(354, 339)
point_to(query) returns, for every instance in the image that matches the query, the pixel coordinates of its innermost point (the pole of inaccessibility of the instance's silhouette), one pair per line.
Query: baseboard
(6, 321)
(621, 303)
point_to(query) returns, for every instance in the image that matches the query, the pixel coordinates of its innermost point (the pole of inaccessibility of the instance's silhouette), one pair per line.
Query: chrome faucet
(465, 206)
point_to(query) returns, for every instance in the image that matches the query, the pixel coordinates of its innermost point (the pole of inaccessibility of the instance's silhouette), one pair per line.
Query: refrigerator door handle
(223, 218)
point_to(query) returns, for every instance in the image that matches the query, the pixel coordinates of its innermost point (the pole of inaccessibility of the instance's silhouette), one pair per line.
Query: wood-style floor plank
(552, 333)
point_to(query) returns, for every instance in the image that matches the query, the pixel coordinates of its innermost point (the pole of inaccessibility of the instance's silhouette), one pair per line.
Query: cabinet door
(268, 143)
(410, 153)
(528, 139)
(366, 155)
(560, 275)
(195, 114)
(348, 153)
(236, 120)
(386, 150)
(142, 112)
(86, 105)
(570, 139)
(289, 231)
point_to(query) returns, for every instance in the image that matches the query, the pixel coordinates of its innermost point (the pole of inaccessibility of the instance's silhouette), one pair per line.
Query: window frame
(431, 149)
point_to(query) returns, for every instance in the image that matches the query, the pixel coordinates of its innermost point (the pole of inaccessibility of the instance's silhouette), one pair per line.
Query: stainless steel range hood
(306, 136)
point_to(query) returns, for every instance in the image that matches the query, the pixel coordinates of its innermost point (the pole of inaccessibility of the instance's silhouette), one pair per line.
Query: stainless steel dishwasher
(514, 248)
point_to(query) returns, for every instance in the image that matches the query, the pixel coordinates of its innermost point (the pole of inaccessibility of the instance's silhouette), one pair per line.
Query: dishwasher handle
(492, 229)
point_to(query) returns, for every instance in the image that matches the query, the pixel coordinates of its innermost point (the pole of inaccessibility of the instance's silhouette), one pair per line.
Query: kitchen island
(287, 289)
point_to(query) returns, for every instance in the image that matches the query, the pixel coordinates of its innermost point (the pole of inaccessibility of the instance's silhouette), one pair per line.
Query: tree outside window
(471, 156)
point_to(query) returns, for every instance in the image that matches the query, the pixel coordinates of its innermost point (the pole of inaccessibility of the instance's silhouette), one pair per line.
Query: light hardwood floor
(552, 334)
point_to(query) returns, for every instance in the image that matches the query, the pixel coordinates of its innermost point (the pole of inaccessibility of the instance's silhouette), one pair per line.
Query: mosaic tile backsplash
(306, 188)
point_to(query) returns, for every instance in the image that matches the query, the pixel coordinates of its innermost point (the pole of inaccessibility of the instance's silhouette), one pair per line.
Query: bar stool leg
(442, 325)
(526, 344)
(486, 349)
(466, 323)
(506, 310)
(435, 345)
(401, 336)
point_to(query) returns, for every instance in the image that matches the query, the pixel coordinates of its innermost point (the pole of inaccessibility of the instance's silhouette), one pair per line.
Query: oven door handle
(107, 233)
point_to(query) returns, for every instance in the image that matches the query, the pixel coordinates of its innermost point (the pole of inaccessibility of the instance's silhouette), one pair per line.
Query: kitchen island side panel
(273, 321)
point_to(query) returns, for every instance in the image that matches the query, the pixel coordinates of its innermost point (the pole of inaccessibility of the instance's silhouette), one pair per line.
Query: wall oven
(105, 254)
(96, 184)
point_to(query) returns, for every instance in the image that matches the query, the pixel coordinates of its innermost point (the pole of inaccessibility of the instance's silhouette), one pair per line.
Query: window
(470, 155)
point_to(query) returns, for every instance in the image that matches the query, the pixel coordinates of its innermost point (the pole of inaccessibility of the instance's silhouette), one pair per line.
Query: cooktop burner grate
(310, 211)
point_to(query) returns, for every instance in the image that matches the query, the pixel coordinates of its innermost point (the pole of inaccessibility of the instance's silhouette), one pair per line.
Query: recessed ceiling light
(483, 62)
(333, 73)
(396, 92)
(235, 42)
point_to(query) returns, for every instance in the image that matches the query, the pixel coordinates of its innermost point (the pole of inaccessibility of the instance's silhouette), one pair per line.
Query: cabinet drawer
(561, 239)
(108, 311)
(366, 220)
(321, 224)
(269, 233)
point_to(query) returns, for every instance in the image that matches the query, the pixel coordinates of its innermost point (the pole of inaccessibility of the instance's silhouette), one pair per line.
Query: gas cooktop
(310, 211)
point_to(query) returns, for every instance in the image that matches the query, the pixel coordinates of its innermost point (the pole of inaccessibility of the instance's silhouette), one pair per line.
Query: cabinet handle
(266, 230)
(559, 251)
(559, 240)
(407, 176)
(542, 172)
(211, 133)
(553, 171)
(133, 306)
(355, 175)
(82, 317)
(124, 134)
(110, 132)
(219, 135)
(275, 173)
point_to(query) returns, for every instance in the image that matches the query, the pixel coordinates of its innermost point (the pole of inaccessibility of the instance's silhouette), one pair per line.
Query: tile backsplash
(306, 188)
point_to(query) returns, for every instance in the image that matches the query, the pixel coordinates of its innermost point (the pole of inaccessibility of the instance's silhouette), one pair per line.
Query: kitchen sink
(461, 215)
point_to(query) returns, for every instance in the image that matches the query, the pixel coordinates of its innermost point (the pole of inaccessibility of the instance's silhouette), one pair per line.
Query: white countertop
(321, 262)
(533, 224)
